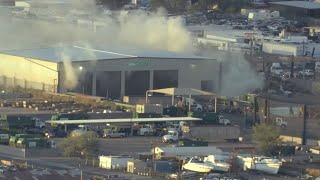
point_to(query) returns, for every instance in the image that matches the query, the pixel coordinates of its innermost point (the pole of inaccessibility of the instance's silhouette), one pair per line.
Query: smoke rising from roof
(138, 29)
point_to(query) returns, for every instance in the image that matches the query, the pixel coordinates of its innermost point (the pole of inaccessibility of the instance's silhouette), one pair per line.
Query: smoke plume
(71, 78)
(137, 29)
(238, 76)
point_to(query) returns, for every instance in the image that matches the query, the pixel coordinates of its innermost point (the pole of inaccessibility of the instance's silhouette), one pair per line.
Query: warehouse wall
(282, 49)
(18, 71)
(190, 71)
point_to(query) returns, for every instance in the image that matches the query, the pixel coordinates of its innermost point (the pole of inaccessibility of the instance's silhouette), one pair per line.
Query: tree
(267, 138)
(86, 145)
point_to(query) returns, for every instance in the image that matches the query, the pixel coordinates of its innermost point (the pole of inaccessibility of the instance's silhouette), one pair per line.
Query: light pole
(82, 83)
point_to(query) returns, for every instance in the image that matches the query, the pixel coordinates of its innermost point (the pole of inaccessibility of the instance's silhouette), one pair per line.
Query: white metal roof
(299, 4)
(78, 53)
(127, 120)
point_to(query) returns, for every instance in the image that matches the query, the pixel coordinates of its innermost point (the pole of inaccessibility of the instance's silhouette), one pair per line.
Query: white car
(276, 70)
(307, 72)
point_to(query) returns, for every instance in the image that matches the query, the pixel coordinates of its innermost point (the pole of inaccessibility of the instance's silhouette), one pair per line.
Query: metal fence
(15, 83)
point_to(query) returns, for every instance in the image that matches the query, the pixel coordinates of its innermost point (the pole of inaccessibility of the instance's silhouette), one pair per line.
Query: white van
(317, 68)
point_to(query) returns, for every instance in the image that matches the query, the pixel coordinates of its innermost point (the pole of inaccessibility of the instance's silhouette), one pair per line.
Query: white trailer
(212, 133)
(114, 162)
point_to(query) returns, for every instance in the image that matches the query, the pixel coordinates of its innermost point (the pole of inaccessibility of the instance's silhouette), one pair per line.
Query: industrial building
(292, 49)
(297, 9)
(113, 73)
(229, 40)
(263, 15)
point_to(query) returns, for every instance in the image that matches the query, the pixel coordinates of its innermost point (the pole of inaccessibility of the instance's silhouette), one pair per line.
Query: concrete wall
(282, 49)
(12, 151)
(28, 73)
(42, 152)
(29, 153)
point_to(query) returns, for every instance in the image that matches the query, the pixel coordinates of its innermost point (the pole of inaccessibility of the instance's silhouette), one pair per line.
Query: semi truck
(20, 122)
(70, 116)
(210, 118)
(212, 133)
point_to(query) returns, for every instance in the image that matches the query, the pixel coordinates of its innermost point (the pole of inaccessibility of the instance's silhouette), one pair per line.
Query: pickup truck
(281, 123)
(114, 134)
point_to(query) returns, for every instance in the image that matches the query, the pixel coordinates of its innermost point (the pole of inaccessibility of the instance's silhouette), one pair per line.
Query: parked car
(11, 168)
(3, 169)
(114, 134)
(56, 133)
(307, 72)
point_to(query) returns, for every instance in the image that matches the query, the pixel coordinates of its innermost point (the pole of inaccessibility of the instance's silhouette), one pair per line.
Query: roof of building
(231, 33)
(186, 150)
(78, 53)
(124, 120)
(299, 4)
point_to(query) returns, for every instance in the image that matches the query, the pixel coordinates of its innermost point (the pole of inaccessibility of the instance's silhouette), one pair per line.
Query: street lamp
(147, 94)
(82, 83)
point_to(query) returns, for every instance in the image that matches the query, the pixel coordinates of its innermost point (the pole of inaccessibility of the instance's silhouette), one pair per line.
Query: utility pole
(305, 116)
(220, 78)
(153, 159)
(254, 109)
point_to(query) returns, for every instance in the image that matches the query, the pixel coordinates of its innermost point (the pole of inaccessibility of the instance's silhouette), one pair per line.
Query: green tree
(86, 145)
(267, 138)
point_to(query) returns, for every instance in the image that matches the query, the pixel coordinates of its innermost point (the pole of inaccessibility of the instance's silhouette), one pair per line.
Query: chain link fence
(12, 83)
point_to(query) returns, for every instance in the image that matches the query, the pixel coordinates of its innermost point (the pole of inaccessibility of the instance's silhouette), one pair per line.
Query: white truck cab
(146, 130)
(194, 104)
(80, 130)
(224, 121)
(276, 70)
(38, 123)
(174, 127)
(171, 137)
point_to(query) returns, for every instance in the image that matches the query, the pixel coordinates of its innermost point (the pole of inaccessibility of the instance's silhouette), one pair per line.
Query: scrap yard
(145, 89)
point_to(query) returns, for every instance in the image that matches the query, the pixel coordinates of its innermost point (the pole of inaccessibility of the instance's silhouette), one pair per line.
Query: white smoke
(71, 77)
(139, 29)
(238, 76)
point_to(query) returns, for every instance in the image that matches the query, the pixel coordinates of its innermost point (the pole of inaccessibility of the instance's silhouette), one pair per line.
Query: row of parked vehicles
(4, 168)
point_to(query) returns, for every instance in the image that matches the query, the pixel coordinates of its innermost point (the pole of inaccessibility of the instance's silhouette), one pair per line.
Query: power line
(40, 65)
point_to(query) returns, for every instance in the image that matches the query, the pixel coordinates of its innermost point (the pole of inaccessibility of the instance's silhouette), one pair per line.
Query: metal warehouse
(112, 72)
(297, 9)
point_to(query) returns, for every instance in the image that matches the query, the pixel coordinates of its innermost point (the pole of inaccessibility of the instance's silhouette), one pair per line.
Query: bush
(267, 138)
(86, 145)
